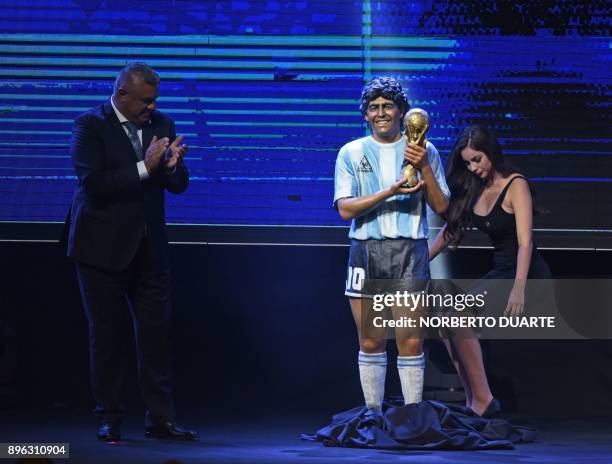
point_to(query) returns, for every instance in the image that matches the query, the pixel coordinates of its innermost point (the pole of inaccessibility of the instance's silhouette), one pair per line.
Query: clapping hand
(175, 153)
(155, 153)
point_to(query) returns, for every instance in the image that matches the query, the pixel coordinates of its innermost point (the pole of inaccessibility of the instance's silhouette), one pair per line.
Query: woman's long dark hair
(464, 186)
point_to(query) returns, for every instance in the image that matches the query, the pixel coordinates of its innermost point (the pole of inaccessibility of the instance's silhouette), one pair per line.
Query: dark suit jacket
(112, 209)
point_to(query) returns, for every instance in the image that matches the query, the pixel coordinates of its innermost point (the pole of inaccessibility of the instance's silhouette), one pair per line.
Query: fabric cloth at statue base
(426, 425)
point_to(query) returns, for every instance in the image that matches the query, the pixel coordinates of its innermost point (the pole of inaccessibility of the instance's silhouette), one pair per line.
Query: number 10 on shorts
(355, 278)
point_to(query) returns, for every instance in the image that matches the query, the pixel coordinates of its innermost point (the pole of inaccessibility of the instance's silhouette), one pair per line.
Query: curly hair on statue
(386, 87)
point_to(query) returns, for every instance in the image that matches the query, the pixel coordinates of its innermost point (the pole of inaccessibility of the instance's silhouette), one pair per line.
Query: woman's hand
(516, 302)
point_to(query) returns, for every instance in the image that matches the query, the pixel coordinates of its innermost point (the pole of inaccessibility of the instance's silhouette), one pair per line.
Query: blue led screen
(266, 93)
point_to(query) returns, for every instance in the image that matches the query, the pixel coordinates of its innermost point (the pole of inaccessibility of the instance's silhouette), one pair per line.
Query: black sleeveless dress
(500, 226)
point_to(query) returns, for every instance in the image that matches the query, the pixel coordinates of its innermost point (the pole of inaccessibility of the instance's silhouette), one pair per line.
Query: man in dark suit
(126, 154)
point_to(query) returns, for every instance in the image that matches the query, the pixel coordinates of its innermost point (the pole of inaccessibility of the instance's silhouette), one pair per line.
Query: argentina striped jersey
(364, 167)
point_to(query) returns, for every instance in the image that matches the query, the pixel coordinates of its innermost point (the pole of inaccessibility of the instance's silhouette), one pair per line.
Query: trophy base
(410, 174)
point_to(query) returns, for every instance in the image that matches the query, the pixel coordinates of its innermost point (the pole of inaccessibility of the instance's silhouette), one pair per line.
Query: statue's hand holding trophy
(416, 123)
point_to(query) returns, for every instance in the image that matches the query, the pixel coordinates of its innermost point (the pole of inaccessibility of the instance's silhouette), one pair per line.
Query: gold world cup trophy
(416, 123)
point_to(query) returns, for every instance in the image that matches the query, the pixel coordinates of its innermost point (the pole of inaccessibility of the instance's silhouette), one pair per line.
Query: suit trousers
(109, 298)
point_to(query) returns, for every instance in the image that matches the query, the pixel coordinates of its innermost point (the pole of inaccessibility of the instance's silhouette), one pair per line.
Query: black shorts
(380, 266)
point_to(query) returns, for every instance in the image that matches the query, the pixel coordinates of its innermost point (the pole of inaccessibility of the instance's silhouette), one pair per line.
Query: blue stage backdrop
(266, 92)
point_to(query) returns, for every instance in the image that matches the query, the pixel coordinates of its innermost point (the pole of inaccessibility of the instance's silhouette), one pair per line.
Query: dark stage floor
(254, 439)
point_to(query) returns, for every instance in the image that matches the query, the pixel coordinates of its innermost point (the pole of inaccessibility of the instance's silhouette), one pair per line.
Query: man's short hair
(386, 87)
(136, 71)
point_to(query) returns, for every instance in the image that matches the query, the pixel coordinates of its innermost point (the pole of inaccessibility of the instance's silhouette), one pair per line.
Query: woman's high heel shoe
(493, 409)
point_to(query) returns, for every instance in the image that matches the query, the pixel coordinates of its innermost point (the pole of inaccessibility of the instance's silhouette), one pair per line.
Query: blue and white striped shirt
(364, 167)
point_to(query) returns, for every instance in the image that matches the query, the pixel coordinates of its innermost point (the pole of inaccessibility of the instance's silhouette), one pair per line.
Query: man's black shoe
(170, 431)
(109, 431)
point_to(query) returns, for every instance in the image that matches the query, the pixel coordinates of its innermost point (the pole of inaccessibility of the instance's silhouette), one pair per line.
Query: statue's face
(384, 118)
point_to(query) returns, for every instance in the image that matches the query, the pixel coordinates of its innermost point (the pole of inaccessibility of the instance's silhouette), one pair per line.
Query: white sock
(372, 372)
(411, 373)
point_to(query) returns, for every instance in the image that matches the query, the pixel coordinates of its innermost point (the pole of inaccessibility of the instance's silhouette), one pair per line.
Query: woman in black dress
(489, 195)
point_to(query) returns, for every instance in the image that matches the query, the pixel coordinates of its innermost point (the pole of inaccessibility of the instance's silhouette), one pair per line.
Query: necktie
(133, 136)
